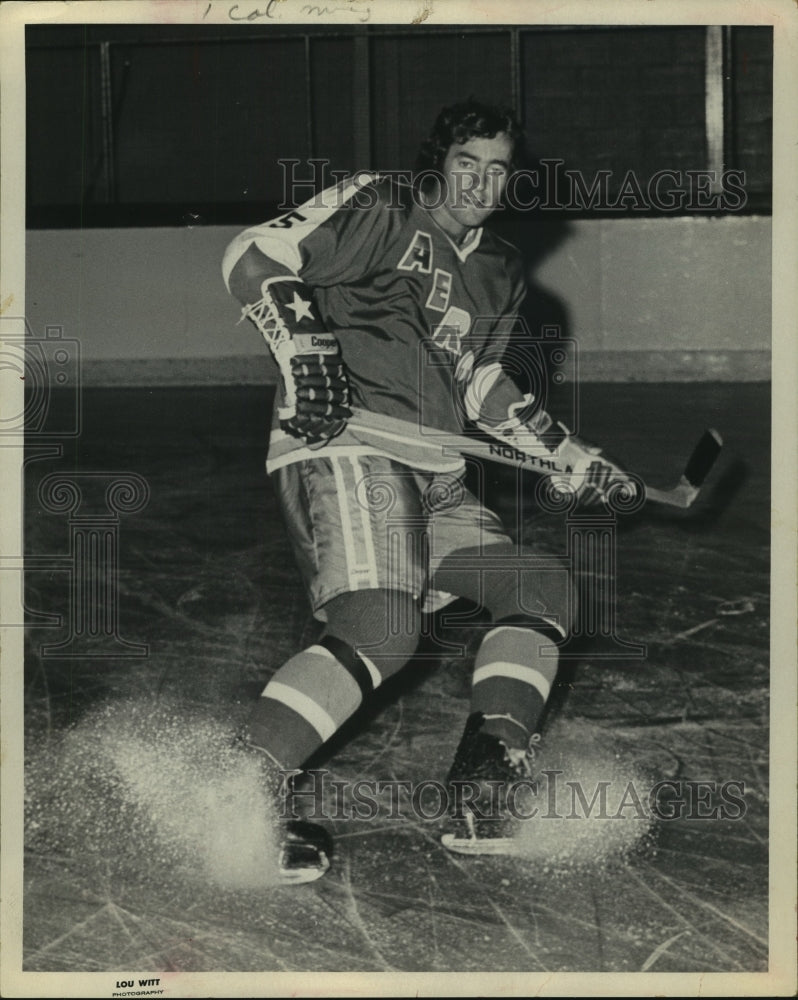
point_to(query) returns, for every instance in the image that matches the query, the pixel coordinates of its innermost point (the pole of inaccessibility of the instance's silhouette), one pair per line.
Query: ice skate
(489, 786)
(305, 851)
(305, 848)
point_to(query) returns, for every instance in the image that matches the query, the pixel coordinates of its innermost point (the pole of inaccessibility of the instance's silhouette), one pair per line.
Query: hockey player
(388, 308)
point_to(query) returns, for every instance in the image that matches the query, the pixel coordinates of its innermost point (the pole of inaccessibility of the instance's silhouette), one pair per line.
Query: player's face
(475, 173)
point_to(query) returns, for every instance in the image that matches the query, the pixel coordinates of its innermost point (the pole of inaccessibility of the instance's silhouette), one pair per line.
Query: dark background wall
(131, 123)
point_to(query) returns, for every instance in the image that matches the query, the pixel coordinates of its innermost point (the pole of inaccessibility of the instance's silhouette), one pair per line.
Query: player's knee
(547, 597)
(382, 625)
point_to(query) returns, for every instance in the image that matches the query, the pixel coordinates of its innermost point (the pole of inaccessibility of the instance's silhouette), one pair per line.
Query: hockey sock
(307, 700)
(315, 692)
(514, 670)
(516, 663)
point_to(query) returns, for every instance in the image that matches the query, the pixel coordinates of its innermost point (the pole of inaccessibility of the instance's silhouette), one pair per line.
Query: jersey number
(286, 221)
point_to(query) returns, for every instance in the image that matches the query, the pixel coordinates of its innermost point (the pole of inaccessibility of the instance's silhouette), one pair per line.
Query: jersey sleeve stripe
(280, 239)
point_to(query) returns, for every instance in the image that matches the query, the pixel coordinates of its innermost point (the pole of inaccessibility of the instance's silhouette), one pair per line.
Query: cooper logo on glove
(315, 389)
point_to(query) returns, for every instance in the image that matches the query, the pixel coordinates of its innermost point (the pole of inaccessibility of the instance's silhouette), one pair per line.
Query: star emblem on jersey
(301, 307)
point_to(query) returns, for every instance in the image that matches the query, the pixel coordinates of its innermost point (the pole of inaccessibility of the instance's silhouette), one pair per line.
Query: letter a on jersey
(418, 256)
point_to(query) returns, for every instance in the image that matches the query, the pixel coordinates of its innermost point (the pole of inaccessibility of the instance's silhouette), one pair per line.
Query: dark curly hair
(461, 122)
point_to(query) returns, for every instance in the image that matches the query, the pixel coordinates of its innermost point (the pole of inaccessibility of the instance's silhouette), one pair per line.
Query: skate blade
(297, 874)
(479, 845)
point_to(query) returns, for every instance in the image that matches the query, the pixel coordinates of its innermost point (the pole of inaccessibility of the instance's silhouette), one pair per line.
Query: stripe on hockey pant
(365, 521)
(361, 561)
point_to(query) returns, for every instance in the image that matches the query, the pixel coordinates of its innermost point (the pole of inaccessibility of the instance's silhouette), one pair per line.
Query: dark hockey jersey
(415, 315)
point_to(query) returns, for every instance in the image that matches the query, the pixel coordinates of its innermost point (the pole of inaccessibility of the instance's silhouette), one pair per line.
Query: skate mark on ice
(355, 918)
(390, 904)
(75, 929)
(698, 900)
(703, 859)
(157, 954)
(390, 742)
(597, 924)
(354, 834)
(578, 928)
(692, 928)
(432, 883)
(514, 932)
(689, 632)
(660, 950)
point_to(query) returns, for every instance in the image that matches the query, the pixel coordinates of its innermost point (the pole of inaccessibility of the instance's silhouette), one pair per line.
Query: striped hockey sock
(514, 670)
(309, 699)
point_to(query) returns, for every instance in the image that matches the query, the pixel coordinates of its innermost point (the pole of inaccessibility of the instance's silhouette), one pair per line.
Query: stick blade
(703, 458)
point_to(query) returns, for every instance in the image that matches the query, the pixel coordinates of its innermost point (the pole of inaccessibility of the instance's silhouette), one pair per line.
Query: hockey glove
(589, 473)
(315, 399)
(316, 389)
(573, 465)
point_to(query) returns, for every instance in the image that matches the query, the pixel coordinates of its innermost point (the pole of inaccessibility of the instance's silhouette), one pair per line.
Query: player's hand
(592, 476)
(320, 395)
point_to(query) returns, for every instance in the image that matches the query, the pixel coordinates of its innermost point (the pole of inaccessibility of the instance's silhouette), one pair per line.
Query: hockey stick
(683, 494)
(698, 467)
